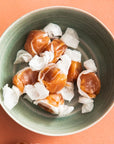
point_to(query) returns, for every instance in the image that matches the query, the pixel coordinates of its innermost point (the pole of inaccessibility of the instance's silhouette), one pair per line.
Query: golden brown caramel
(24, 77)
(46, 108)
(74, 71)
(59, 49)
(90, 84)
(55, 99)
(53, 78)
(36, 42)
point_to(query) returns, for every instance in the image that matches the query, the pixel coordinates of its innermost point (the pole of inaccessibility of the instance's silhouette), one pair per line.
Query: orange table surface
(10, 131)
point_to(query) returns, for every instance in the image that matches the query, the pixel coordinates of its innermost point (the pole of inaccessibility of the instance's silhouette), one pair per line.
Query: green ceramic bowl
(96, 42)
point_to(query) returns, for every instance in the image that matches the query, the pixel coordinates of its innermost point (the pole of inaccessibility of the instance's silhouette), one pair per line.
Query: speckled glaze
(95, 42)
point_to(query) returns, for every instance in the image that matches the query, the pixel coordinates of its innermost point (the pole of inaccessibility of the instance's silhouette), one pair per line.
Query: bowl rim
(30, 13)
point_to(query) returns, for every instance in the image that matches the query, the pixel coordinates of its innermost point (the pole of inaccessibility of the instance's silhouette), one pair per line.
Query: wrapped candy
(24, 77)
(74, 71)
(53, 78)
(90, 84)
(75, 67)
(59, 48)
(36, 42)
(54, 104)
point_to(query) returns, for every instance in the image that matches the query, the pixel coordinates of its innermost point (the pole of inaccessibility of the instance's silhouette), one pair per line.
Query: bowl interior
(95, 43)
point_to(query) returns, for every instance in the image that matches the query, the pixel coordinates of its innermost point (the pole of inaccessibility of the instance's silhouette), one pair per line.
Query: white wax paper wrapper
(31, 91)
(85, 100)
(39, 62)
(65, 110)
(87, 107)
(22, 56)
(53, 30)
(61, 110)
(82, 93)
(90, 65)
(88, 104)
(11, 96)
(70, 38)
(64, 64)
(42, 90)
(74, 55)
(67, 92)
(36, 91)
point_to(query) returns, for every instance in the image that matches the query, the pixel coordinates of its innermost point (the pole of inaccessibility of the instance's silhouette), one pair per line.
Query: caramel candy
(52, 100)
(53, 78)
(59, 48)
(55, 99)
(24, 77)
(90, 84)
(36, 42)
(74, 71)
